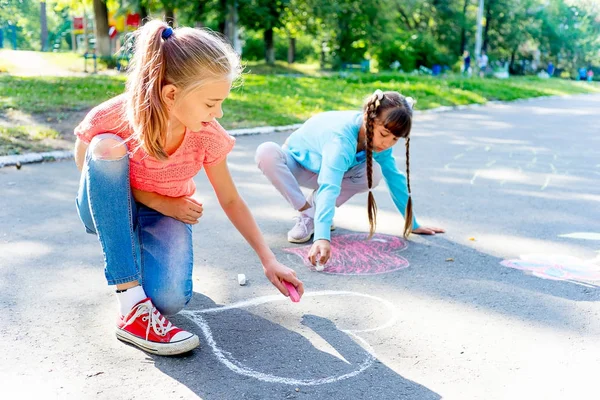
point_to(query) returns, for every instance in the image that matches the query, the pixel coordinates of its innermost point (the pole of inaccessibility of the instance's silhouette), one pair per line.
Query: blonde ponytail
(184, 57)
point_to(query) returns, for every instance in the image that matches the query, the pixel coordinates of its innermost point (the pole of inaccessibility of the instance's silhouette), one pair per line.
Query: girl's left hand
(276, 272)
(428, 230)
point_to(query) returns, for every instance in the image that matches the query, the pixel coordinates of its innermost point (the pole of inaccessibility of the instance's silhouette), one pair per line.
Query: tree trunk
(44, 26)
(488, 19)
(143, 15)
(101, 28)
(224, 12)
(232, 26)
(463, 30)
(170, 15)
(269, 46)
(512, 59)
(200, 9)
(405, 18)
(292, 51)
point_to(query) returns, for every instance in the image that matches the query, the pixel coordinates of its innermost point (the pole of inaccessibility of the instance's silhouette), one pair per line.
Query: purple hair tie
(167, 33)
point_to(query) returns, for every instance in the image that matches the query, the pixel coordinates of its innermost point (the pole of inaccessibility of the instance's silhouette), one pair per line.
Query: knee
(267, 154)
(171, 303)
(108, 147)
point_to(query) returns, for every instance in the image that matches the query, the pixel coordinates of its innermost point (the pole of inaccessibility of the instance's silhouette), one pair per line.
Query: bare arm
(149, 199)
(184, 209)
(239, 214)
(79, 153)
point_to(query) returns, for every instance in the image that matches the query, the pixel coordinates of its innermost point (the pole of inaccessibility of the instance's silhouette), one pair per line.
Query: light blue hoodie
(326, 145)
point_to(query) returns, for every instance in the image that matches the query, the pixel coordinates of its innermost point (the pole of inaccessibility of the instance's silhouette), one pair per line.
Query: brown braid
(371, 205)
(394, 112)
(408, 216)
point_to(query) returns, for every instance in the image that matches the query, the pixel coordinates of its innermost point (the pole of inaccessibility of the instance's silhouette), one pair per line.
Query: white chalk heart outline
(236, 366)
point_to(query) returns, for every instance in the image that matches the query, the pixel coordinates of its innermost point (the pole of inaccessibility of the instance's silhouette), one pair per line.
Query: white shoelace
(155, 319)
(305, 221)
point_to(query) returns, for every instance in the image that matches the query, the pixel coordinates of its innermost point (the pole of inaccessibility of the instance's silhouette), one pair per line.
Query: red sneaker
(146, 328)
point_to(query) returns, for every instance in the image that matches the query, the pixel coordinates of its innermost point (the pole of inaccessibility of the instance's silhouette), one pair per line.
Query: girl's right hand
(185, 209)
(320, 251)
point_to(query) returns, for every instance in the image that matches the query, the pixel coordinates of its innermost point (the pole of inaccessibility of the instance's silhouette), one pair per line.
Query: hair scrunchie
(411, 102)
(167, 33)
(379, 96)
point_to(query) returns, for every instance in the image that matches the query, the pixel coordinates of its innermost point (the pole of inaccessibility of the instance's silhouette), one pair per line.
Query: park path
(32, 63)
(503, 306)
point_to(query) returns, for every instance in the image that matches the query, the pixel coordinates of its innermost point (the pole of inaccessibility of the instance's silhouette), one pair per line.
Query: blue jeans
(138, 242)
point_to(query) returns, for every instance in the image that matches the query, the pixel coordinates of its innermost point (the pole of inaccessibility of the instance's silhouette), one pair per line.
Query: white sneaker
(302, 230)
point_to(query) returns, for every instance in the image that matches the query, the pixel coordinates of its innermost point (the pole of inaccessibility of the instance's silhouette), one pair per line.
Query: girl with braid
(138, 154)
(332, 153)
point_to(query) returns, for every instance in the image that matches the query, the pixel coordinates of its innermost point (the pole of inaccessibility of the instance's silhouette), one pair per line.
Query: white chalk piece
(319, 267)
(241, 279)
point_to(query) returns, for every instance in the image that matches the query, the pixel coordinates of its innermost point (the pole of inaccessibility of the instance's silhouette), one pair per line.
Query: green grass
(280, 100)
(22, 139)
(54, 94)
(263, 99)
(282, 68)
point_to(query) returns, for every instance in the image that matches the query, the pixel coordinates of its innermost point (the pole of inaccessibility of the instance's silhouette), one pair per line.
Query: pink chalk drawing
(557, 267)
(353, 254)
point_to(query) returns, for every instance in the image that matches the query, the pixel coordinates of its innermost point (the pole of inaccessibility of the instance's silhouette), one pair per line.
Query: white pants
(284, 172)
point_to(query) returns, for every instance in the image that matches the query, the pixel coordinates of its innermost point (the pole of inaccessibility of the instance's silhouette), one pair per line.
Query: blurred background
(59, 58)
(524, 36)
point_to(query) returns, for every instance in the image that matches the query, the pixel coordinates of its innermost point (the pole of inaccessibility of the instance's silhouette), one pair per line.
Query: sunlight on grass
(282, 100)
(22, 139)
(282, 68)
(5, 65)
(47, 94)
(72, 61)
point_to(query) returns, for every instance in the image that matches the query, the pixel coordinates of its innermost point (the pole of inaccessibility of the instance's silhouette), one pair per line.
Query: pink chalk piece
(293, 292)
(353, 254)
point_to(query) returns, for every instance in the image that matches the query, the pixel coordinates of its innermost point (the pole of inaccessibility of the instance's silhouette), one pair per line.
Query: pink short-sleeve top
(172, 177)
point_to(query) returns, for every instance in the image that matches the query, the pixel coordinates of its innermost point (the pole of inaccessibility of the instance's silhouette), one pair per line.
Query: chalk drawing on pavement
(353, 254)
(227, 359)
(560, 267)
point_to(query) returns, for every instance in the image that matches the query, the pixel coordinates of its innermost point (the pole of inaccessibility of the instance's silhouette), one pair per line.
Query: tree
(300, 17)
(427, 32)
(101, 28)
(25, 18)
(351, 26)
(463, 28)
(100, 20)
(136, 6)
(44, 26)
(195, 12)
(265, 15)
(169, 13)
(414, 32)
